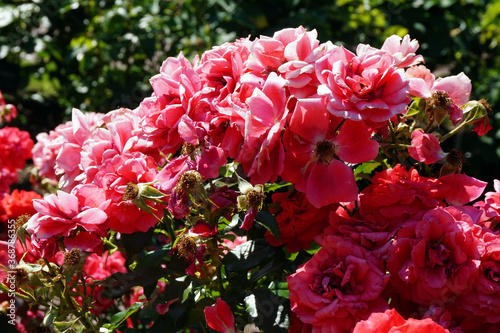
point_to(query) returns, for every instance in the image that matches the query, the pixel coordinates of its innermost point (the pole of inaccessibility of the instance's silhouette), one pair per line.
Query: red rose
(299, 221)
(337, 287)
(482, 303)
(436, 257)
(391, 322)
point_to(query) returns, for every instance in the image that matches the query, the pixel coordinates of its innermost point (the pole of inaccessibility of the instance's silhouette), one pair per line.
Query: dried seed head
(21, 220)
(72, 258)
(440, 100)
(487, 106)
(187, 148)
(455, 158)
(187, 182)
(187, 246)
(21, 275)
(255, 198)
(131, 192)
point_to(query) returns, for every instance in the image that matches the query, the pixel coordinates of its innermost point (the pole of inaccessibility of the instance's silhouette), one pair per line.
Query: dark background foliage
(99, 55)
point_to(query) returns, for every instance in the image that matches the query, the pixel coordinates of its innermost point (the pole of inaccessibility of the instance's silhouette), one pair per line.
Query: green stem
(453, 131)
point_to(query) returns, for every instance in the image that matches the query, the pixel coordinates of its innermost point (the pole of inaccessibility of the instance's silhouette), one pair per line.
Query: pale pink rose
(436, 257)
(220, 69)
(337, 287)
(300, 57)
(46, 150)
(402, 50)
(425, 147)
(366, 86)
(448, 93)
(68, 161)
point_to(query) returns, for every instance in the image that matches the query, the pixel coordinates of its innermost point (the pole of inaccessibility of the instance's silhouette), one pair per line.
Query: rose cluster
(405, 250)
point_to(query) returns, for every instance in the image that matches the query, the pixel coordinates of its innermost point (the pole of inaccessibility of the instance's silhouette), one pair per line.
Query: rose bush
(276, 184)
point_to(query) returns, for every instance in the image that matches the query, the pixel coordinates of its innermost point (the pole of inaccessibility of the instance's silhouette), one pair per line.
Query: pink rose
(366, 86)
(402, 50)
(337, 287)
(425, 147)
(435, 257)
(59, 214)
(315, 155)
(443, 95)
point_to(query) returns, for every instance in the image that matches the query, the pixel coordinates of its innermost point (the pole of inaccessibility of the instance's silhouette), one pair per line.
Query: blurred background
(99, 55)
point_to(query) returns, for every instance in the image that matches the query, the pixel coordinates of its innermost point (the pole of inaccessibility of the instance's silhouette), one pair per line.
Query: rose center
(325, 151)
(329, 282)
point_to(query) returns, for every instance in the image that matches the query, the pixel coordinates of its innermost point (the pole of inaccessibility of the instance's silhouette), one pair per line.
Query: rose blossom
(61, 214)
(435, 257)
(315, 153)
(425, 147)
(443, 95)
(295, 214)
(219, 317)
(491, 206)
(402, 50)
(337, 287)
(482, 303)
(365, 86)
(391, 321)
(397, 194)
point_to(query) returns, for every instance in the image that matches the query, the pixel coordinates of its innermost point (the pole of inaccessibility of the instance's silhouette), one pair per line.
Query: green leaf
(120, 317)
(366, 168)
(275, 186)
(154, 258)
(249, 255)
(63, 326)
(269, 222)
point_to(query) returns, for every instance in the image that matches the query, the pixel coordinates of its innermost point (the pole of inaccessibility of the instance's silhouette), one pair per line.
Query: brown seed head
(21, 220)
(187, 182)
(255, 198)
(440, 100)
(487, 106)
(131, 192)
(72, 258)
(187, 148)
(187, 246)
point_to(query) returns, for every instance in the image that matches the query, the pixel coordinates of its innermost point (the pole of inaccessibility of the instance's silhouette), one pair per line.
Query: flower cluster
(275, 182)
